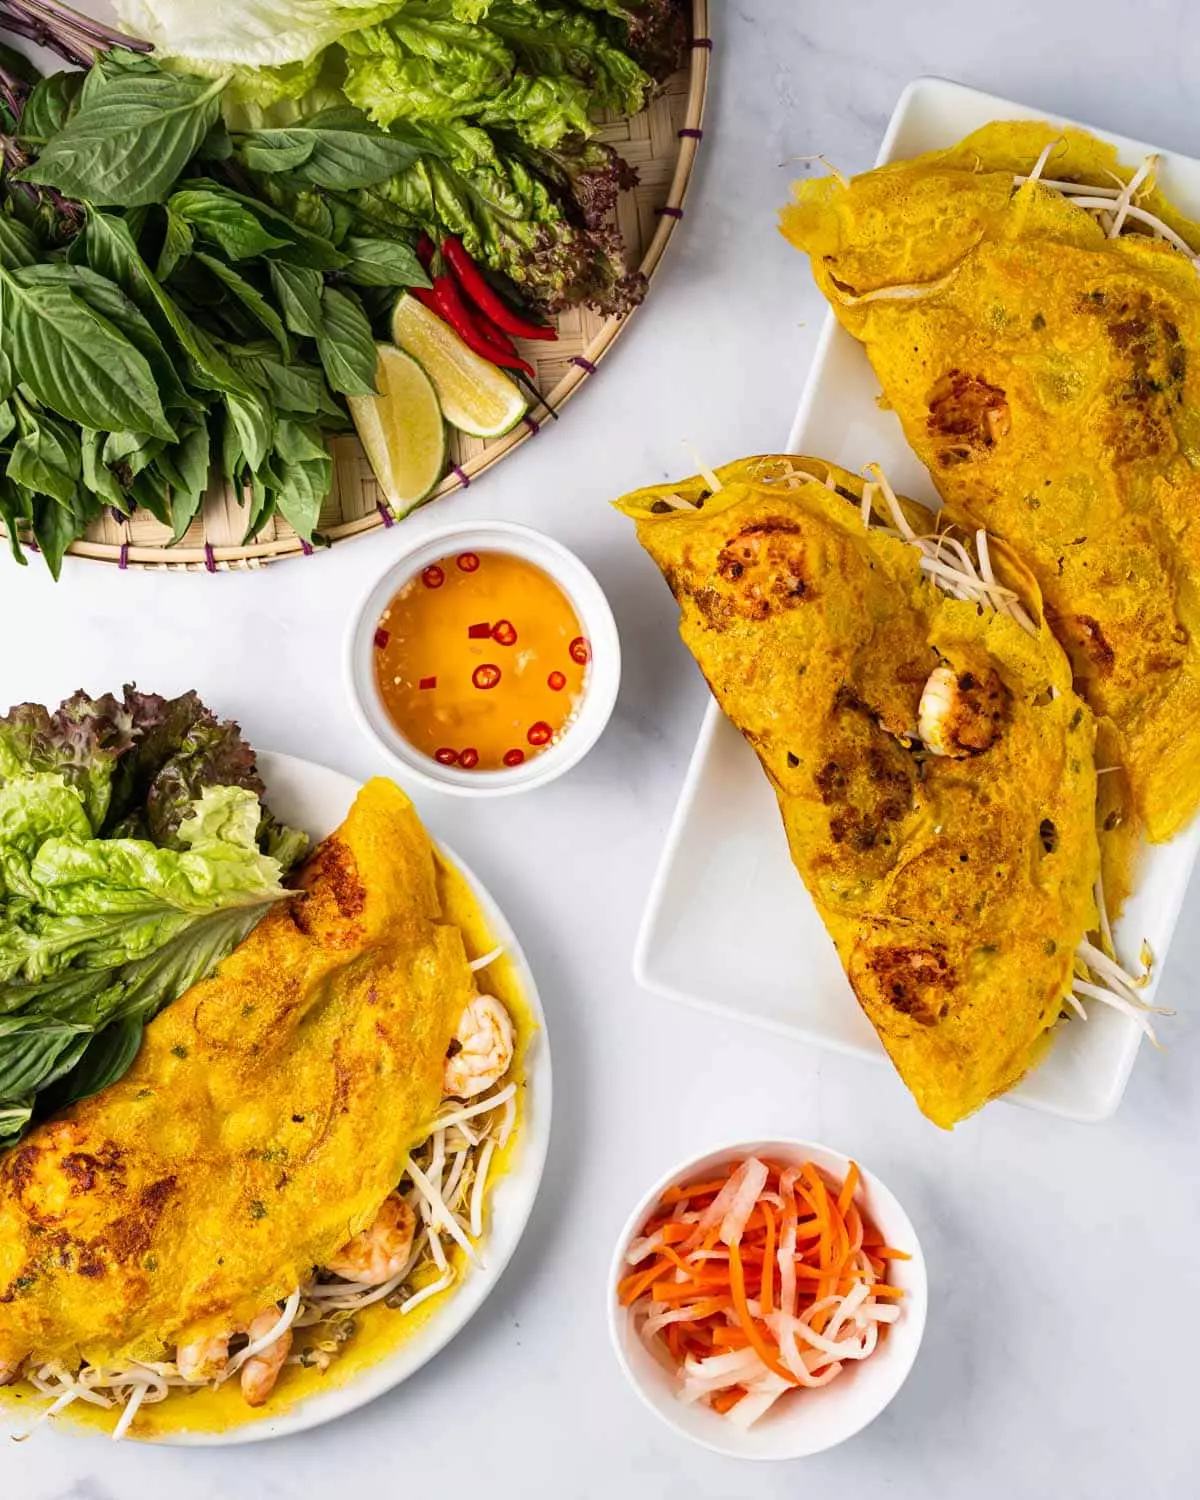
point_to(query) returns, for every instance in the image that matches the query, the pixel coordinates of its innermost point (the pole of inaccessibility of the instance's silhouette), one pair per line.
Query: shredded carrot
(749, 1327)
(849, 1188)
(709, 1286)
(768, 1262)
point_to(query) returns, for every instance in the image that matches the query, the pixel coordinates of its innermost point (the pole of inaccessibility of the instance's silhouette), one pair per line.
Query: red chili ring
(468, 759)
(540, 733)
(556, 682)
(504, 633)
(433, 577)
(468, 562)
(446, 756)
(580, 650)
(513, 757)
(381, 638)
(486, 676)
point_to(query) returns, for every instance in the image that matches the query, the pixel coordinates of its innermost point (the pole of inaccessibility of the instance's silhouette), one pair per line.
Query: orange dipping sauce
(480, 661)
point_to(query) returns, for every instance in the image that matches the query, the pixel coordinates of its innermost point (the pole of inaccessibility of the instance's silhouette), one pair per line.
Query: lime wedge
(402, 429)
(476, 398)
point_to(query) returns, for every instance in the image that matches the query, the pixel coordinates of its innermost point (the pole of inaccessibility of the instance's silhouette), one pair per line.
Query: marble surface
(1065, 1284)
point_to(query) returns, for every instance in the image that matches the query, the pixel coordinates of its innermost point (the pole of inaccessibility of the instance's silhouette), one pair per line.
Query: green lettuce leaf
(135, 853)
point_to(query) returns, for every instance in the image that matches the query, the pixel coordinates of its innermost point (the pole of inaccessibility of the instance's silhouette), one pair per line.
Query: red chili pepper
(540, 733)
(487, 299)
(486, 677)
(433, 577)
(504, 633)
(381, 638)
(426, 250)
(468, 759)
(449, 305)
(513, 757)
(556, 682)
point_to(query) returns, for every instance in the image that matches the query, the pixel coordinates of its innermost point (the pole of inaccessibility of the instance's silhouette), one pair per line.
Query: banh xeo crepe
(1035, 339)
(955, 885)
(265, 1124)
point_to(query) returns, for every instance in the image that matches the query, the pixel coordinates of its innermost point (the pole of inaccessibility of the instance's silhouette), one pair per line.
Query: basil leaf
(18, 244)
(112, 252)
(75, 361)
(46, 457)
(8, 377)
(16, 512)
(303, 248)
(97, 476)
(297, 443)
(301, 492)
(48, 107)
(152, 492)
(298, 291)
(225, 222)
(346, 344)
(108, 1056)
(251, 420)
(262, 508)
(250, 298)
(177, 244)
(7, 420)
(133, 450)
(384, 263)
(338, 149)
(130, 137)
(186, 467)
(106, 298)
(295, 389)
(274, 150)
(55, 527)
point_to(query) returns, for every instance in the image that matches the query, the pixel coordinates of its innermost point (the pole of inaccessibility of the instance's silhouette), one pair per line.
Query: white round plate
(316, 799)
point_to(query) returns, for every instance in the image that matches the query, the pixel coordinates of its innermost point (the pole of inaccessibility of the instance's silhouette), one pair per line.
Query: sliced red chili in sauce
(468, 561)
(426, 683)
(480, 632)
(486, 676)
(468, 758)
(445, 756)
(540, 733)
(504, 633)
(381, 638)
(513, 757)
(556, 682)
(580, 650)
(433, 577)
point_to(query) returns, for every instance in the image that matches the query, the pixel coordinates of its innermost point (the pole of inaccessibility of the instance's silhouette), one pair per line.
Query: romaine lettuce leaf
(255, 33)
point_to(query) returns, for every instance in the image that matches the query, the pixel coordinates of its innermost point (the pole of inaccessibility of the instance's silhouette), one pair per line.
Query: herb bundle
(155, 320)
(135, 853)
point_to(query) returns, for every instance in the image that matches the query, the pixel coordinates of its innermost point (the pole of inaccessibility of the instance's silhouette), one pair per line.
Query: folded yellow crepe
(952, 862)
(267, 1117)
(1037, 340)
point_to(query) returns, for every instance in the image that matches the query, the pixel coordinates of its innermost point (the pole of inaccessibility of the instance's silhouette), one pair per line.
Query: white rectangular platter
(729, 926)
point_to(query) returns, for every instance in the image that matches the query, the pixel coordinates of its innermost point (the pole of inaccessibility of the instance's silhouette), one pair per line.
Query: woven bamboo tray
(661, 143)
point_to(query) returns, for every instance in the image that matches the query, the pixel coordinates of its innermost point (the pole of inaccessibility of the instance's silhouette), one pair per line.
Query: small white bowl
(595, 618)
(806, 1421)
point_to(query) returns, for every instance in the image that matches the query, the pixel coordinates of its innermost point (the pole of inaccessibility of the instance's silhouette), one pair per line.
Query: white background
(1060, 1354)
